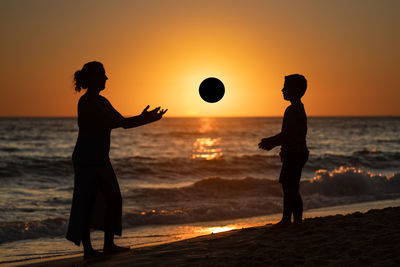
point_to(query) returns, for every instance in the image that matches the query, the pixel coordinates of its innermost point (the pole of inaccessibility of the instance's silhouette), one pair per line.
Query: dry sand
(358, 239)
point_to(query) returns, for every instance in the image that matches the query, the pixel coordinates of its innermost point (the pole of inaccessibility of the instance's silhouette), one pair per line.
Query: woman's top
(96, 118)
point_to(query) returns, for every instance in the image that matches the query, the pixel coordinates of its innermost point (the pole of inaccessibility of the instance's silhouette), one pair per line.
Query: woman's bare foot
(91, 253)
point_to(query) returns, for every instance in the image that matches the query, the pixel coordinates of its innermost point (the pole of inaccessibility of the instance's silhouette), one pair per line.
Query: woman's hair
(81, 77)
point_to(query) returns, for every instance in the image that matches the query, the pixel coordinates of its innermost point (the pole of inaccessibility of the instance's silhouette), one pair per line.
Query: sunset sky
(158, 52)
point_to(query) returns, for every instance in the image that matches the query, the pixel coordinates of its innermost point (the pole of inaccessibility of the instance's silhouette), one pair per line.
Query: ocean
(187, 172)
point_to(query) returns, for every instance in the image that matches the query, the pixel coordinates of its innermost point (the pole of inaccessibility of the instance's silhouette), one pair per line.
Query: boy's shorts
(292, 165)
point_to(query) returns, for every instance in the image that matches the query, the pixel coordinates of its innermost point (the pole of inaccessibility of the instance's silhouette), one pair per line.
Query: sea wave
(366, 159)
(12, 231)
(215, 198)
(18, 166)
(351, 181)
(164, 168)
(341, 182)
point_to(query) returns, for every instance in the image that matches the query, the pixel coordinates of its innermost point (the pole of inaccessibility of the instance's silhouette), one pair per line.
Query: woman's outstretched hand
(144, 118)
(153, 115)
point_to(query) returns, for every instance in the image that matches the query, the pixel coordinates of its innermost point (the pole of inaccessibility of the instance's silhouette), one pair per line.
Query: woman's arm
(144, 118)
(117, 120)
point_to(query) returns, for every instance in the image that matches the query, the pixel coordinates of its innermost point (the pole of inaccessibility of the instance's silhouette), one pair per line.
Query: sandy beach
(357, 239)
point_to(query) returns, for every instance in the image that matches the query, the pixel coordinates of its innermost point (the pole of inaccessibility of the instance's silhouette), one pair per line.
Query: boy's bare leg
(298, 209)
(287, 207)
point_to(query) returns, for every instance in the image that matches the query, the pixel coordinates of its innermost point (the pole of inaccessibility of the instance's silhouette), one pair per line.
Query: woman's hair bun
(89, 69)
(78, 80)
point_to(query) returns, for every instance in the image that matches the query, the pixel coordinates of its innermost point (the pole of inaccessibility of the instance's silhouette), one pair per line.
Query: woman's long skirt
(96, 201)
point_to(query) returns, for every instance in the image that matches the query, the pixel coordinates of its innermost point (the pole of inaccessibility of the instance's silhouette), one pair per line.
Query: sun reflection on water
(206, 125)
(215, 230)
(207, 148)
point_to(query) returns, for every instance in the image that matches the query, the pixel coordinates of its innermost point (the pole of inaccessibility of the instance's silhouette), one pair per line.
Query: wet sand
(358, 239)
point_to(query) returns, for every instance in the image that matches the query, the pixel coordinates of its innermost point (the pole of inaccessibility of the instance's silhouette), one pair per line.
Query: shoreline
(370, 238)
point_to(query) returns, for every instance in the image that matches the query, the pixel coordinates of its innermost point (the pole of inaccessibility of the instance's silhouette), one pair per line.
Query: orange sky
(158, 52)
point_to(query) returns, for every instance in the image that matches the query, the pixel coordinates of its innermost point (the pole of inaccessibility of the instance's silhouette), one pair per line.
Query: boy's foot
(115, 249)
(283, 224)
(90, 254)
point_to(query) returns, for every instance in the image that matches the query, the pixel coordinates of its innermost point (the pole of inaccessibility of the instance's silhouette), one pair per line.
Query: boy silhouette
(294, 152)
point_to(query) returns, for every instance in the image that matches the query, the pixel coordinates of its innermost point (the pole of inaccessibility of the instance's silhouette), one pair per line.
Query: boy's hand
(266, 144)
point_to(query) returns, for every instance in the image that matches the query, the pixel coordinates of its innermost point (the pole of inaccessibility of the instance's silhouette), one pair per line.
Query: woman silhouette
(96, 202)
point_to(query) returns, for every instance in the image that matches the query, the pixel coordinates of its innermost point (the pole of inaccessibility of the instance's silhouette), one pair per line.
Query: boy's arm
(271, 142)
(277, 140)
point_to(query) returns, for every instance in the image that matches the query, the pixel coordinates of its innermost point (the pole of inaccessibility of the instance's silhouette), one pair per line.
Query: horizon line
(257, 116)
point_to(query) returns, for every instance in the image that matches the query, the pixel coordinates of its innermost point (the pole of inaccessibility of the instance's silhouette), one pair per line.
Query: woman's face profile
(98, 80)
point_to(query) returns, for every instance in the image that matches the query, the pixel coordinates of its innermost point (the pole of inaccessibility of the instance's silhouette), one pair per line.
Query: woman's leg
(88, 251)
(87, 245)
(108, 240)
(112, 221)
(110, 224)
(86, 242)
(112, 214)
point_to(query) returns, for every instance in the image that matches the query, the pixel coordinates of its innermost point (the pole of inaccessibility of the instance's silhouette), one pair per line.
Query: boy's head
(295, 86)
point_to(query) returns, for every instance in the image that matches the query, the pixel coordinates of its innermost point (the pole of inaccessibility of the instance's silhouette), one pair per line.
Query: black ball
(211, 90)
